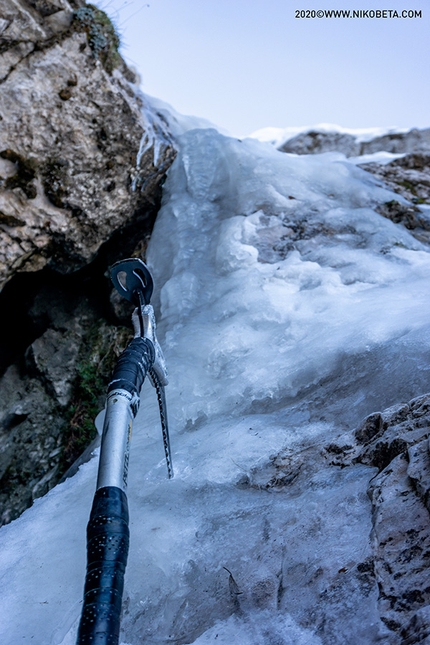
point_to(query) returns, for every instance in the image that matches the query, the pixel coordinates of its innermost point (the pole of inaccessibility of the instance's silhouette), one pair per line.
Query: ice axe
(107, 529)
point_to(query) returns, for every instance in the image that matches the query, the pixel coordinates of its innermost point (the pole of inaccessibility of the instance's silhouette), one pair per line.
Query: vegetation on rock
(101, 348)
(103, 38)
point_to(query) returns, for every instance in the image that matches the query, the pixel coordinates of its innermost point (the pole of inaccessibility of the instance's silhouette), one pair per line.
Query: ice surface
(288, 309)
(178, 123)
(155, 135)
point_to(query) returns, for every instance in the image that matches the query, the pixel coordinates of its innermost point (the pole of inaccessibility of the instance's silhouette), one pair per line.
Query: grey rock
(418, 629)
(82, 158)
(402, 539)
(400, 213)
(396, 441)
(30, 433)
(54, 356)
(314, 142)
(72, 128)
(398, 429)
(408, 176)
(399, 142)
(49, 401)
(419, 467)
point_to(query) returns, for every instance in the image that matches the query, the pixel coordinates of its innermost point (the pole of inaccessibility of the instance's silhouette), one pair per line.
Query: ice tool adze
(107, 529)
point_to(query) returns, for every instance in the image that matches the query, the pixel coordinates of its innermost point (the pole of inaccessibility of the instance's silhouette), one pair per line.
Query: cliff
(82, 159)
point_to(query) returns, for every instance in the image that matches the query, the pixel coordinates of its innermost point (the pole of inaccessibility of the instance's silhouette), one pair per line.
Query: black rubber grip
(133, 365)
(107, 551)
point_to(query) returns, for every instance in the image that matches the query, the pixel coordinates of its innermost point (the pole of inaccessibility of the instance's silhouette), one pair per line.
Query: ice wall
(288, 309)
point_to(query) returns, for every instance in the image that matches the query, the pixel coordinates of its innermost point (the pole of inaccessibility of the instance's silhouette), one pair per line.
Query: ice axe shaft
(108, 526)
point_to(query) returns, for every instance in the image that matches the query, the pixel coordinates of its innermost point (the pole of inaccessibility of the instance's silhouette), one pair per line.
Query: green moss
(102, 346)
(81, 431)
(103, 38)
(408, 185)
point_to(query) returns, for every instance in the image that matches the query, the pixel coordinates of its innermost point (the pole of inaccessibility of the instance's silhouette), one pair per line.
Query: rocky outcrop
(51, 395)
(409, 177)
(81, 155)
(399, 142)
(315, 142)
(389, 574)
(82, 159)
(396, 441)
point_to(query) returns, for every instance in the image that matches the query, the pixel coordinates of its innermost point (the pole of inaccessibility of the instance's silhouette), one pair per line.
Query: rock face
(51, 395)
(82, 158)
(72, 126)
(314, 142)
(409, 177)
(396, 441)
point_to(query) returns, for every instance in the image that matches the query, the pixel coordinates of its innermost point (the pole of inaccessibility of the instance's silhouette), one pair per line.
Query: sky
(249, 64)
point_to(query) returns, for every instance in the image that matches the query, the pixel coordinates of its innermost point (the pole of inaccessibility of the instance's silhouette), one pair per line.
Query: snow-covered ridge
(279, 136)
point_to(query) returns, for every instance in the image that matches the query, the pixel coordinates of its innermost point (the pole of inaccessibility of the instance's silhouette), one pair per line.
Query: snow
(278, 136)
(381, 158)
(288, 309)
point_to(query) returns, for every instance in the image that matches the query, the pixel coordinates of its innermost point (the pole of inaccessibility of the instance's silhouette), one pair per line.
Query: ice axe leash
(107, 529)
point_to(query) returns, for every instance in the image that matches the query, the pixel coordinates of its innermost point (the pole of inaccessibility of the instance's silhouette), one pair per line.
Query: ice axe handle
(107, 551)
(107, 529)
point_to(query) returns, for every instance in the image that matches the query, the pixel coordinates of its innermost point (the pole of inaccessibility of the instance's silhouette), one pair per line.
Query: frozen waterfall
(288, 309)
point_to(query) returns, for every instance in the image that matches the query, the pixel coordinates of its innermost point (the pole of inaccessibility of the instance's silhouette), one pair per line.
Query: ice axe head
(130, 278)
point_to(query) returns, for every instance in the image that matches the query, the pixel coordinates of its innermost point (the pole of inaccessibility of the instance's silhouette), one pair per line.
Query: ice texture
(288, 309)
(178, 123)
(156, 135)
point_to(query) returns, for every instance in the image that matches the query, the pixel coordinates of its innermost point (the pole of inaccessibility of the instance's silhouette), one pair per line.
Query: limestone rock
(54, 357)
(49, 399)
(29, 453)
(81, 154)
(82, 158)
(399, 142)
(396, 441)
(402, 538)
(408, 176)
(314, 142)
(398, 428)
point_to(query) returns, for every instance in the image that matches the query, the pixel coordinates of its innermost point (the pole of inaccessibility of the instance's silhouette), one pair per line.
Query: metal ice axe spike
(107, 529)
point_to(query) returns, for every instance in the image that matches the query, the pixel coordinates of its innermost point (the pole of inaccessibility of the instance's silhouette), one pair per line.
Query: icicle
(155, 137)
